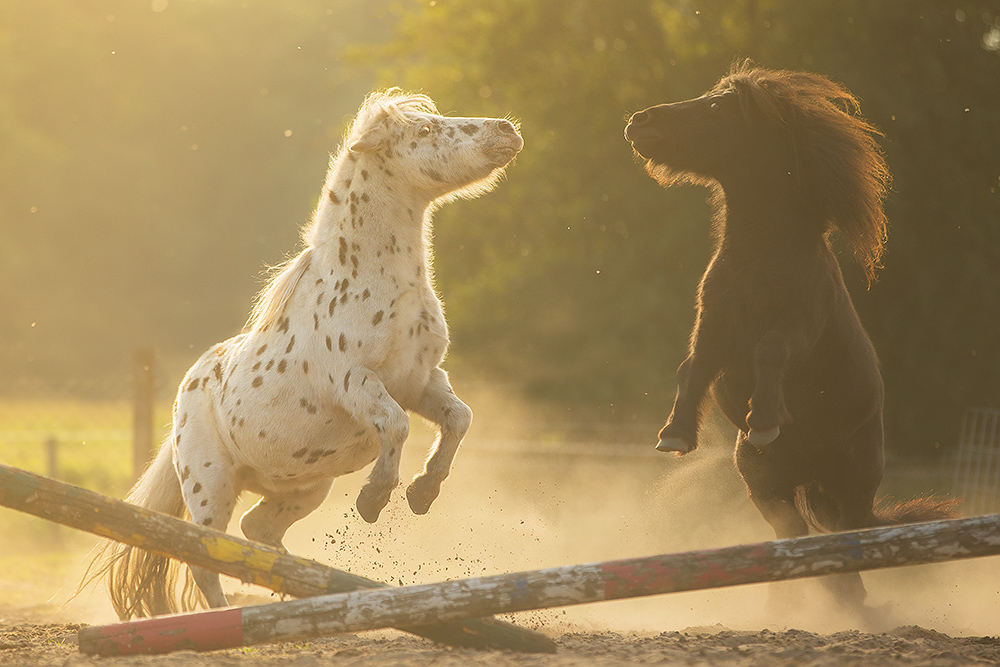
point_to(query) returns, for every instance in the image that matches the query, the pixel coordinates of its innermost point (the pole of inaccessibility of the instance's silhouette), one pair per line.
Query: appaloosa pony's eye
(424, 131)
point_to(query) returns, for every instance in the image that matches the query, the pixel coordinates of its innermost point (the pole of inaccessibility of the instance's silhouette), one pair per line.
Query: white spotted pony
(343, 341)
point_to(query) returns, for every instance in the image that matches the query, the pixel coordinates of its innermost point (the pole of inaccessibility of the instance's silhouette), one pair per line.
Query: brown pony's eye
(714, 106)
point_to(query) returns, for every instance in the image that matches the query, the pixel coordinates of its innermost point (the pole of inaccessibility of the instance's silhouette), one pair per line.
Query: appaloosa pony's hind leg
(208, 482)
(268, 520)
(440, 405)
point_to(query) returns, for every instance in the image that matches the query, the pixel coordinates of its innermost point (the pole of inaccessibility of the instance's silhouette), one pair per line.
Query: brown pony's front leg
(694, 377)
(767, 404)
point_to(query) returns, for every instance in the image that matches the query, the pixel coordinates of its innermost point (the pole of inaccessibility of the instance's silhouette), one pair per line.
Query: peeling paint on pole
(576, 584)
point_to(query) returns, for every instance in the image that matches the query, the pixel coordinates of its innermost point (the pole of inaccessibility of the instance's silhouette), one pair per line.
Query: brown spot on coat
(300, 453)
(194, 385)
(347, 381)
(342, 343)
(196, 488)
(291, 344)
(343, 246)
(282, 365)
(377, 318)
(334, 198)
(260, 350)
(257, 381)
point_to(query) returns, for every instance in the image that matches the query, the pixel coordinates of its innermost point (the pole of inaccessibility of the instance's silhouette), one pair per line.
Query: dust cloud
(517, 500)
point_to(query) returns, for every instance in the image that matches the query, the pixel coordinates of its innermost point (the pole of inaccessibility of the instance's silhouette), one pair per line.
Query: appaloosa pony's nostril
(506, 126)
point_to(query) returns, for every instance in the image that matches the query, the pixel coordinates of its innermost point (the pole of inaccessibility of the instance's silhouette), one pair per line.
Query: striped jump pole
(556, 587)
(219, 552)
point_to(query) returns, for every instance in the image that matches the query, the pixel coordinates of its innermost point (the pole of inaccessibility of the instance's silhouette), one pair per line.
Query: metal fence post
(144, 389)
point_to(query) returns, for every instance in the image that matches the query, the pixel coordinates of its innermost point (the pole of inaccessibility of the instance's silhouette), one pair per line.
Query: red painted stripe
(200, 631)
(661, 574)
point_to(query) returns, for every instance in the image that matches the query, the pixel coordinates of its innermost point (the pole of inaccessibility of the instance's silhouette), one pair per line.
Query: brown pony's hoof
(673, 445)
(759, 437)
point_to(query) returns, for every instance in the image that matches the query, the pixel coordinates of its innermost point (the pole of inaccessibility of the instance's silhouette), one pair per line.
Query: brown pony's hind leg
(771, 489)
(842, 499)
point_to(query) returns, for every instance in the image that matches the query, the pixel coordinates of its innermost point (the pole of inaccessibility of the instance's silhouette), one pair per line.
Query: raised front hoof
(368, 507)
(676, 445)
(759, 437)
(421, 493)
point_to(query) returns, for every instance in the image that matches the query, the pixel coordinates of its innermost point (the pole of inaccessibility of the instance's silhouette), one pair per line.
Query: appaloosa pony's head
(439, 156)
(783, 133)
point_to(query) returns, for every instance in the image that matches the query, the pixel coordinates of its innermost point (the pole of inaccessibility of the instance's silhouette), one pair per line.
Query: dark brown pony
(776, 336)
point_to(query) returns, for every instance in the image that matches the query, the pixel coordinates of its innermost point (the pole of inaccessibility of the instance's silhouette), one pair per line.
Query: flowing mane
(841, 165)
(392, 104)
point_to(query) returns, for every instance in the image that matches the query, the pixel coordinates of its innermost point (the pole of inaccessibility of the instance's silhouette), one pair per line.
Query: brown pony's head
(764, 126)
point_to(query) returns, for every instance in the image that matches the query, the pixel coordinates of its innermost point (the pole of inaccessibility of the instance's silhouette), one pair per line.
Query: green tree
(577, 276)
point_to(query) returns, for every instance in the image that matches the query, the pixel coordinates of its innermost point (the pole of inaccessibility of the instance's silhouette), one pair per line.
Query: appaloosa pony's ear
(370, 141)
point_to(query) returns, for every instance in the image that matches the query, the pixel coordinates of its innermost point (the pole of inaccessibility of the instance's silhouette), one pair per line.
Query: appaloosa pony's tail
(141, 583)
(822, 514)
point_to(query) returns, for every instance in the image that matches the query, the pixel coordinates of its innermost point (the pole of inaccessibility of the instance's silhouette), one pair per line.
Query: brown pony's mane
(840, 164)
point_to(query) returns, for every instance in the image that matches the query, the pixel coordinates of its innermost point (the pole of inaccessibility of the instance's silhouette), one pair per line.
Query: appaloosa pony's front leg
(366, 398)
(440, 405)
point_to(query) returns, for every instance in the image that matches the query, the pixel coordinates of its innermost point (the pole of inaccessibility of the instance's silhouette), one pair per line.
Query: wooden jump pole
(555, 587)
(219, 552)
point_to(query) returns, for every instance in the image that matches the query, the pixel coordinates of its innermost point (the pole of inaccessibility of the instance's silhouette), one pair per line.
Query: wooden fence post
(143, 397)
(52, 457)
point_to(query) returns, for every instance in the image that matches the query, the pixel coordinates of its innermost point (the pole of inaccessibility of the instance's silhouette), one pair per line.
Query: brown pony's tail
(823, 516)
(926, 508)
(141, 583)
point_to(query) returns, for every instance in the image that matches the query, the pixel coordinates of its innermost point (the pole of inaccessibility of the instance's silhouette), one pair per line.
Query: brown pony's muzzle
(642, 133)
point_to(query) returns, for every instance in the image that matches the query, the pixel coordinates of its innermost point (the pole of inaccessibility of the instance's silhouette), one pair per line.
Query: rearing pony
(346, 338)
(776, 337)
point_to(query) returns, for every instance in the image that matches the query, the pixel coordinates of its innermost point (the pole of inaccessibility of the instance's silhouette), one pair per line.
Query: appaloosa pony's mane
(840, 164)
(393, 105)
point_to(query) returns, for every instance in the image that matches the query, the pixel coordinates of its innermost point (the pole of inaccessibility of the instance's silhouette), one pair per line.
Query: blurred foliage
(157, 154)
(578, 276)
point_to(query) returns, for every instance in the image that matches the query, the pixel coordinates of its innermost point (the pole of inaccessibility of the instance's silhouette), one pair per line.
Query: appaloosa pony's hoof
(369, 508)
(674, 445)
(760, 437)
(421, 493)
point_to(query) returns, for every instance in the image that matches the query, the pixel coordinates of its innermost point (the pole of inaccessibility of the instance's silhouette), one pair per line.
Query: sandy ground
(512, 506)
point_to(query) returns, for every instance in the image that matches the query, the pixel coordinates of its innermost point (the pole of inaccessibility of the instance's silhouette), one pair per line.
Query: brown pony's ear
(370, 141)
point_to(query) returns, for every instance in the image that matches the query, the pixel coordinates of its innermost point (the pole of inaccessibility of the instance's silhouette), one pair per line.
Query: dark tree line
(156, 156)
